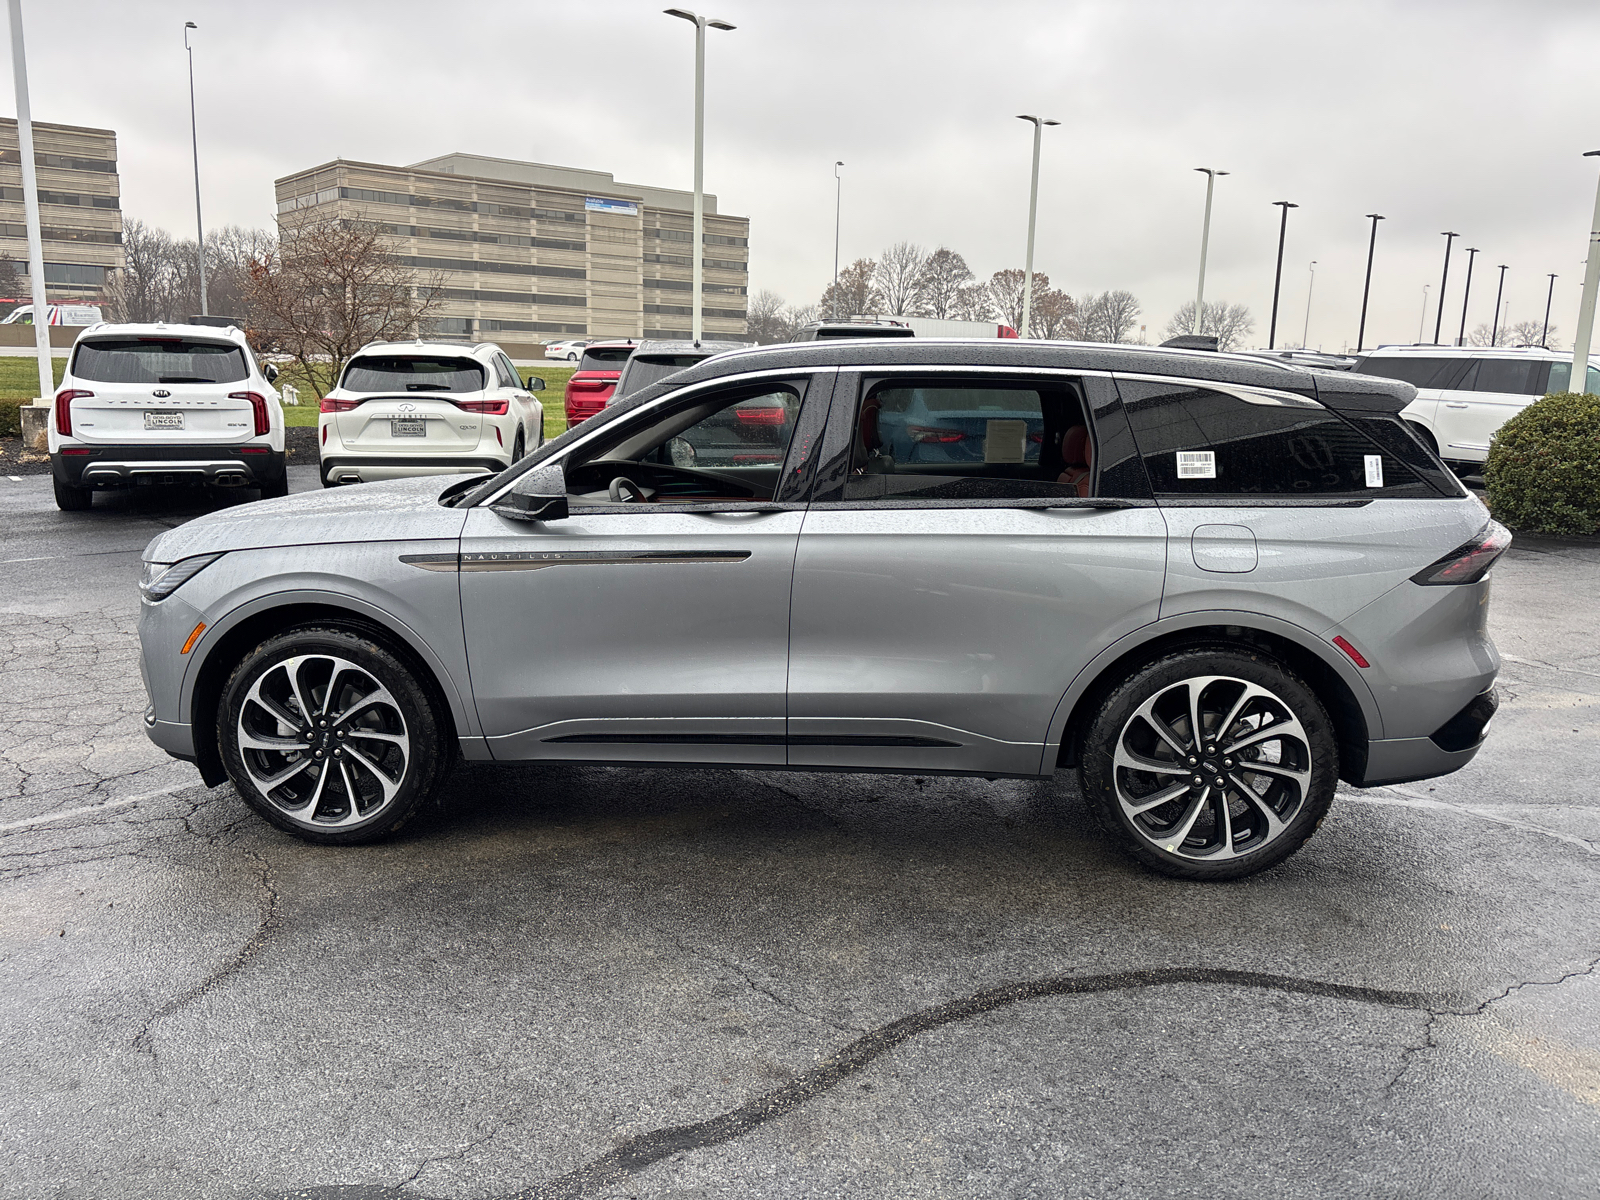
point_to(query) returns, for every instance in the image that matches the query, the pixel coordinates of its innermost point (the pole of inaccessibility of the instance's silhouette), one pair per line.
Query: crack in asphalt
(749, 982)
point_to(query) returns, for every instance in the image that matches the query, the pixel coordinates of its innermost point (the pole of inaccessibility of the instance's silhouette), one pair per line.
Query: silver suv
(1211, 584)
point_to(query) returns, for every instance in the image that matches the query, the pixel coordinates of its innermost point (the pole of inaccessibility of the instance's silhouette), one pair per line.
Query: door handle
(1456, 404)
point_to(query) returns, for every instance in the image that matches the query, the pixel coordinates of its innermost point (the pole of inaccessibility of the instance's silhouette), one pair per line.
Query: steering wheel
(622, 484)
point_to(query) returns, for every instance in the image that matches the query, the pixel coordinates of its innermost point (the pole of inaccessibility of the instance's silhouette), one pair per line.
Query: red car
(589, 390)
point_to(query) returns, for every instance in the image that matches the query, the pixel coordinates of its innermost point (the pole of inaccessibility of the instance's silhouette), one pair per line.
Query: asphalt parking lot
(602, 982)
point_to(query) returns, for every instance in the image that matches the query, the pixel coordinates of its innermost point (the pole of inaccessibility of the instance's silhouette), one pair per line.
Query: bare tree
(229, 253)
(1055, 315)
(796, 319)
(1109, 317)
(1005, 292)
(899, 278)
(855, 294)
(143, 289)
(1530, 333)
(973, 302)
(330, 287)
(1230, 324)
(766, 320)
(939, 290)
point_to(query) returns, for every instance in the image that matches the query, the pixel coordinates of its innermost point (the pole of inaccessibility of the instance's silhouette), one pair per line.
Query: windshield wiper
(427, 387)
(184, 379)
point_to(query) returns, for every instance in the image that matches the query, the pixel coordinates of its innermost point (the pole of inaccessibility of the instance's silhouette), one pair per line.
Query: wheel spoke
(1250, 693)
(309, 812)
(1224, 821)
(281, 715)
(1154, 800)
(379, 695)
(283, 745)
(1172, 840)
(291, 670)
(1303, 778)
(398, 739)
(389, 787)
(1197, 729)
(268, 783)
(1275, 823)
(1285, 727)
(355, 814)
(327, 697)
(1155, 766)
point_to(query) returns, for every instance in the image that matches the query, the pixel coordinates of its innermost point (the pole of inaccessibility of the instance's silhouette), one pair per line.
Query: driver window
(729, 446)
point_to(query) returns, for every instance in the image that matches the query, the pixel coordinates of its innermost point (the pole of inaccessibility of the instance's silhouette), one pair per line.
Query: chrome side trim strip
(431, 562)
(535, 560)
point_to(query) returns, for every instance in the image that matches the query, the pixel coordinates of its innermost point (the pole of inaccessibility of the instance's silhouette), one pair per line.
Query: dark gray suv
(1212, 585)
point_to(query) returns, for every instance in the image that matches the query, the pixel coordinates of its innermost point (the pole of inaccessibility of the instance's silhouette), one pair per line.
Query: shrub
(10, 418)
(1543, 472)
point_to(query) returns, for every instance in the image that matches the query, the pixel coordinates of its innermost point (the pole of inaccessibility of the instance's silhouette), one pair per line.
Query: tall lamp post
(1033, 211)
(1366, 288)
(30, 206)
(699, 24)
(838, 199)
(1277, 278)
(1466, 295)
(194, 143)
(1422, 324)
(1494, 330)
(1205, 239)
(1306, 332)
(1438, 321)
(1591, 283)
(1544, 334)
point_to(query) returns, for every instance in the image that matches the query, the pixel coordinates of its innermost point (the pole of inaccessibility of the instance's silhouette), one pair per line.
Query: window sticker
(1374, 469)
(1004, 441)
(1197, 464)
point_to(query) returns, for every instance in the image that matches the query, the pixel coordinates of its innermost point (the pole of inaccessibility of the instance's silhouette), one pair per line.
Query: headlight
(160, 580)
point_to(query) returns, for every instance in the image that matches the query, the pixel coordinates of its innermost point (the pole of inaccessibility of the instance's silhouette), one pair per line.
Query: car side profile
(1253, 582)
(426, 408)
(1465, 393)
(162, 403)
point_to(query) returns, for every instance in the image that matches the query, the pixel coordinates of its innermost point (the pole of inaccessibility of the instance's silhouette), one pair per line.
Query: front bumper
(122, 466)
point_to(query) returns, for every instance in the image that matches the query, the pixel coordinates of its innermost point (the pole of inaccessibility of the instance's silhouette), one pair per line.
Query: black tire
(518, 447)
(277, 488)
(1207, 832)
(73, 499)
(390, 752)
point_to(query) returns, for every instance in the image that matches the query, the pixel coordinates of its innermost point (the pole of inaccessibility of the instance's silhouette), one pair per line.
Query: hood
(396, 511)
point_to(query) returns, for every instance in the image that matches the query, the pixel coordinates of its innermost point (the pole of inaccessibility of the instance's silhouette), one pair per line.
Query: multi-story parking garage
(530, 252)
(80, 214)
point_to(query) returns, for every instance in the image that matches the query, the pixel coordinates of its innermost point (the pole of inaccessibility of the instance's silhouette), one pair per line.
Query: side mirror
(535, 384)
(540, 495)
(271, 372)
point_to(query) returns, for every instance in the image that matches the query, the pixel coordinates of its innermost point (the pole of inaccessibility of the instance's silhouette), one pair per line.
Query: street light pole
(1366, 288)
(1306, 333)
(838, 200)
(1466, 295)
(30, 206)
(194, 142)
(1438, 323)
(699, 24)
(1591, 283)
(1205, 239)
(1544, 334)
(1277, 278)
(1422, 323)
(1494, 330)
(1033, 211)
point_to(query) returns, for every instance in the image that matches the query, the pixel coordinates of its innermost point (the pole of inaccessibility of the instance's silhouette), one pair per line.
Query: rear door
(161, 391)
(1492, 392)
(943, 606)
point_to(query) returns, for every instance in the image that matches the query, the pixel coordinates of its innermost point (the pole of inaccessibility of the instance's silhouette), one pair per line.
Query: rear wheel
(331, 736)
(518, 446)
(1211, 763)
(274, 489)
(73, 499)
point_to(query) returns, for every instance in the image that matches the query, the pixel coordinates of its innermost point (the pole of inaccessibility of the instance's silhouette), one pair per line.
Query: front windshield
(412, 373)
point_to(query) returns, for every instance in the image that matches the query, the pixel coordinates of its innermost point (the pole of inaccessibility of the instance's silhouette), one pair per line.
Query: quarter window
(1519, 377)
(1198, 441)
(1418, 371)
(1561, 377)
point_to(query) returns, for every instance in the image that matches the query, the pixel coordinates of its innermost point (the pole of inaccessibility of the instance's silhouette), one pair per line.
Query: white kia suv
(426, 408)
(164, 404)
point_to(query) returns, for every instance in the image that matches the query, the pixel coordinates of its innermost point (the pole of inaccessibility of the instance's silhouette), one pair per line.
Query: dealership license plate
(163, 420)
(408, 428)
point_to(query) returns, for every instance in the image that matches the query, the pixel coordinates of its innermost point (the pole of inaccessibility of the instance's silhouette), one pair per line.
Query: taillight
(330, 404)
(493, 408)
(928, 433)
(590, 385)
(258, 405)
(1470, 562)
(760, 416)
(64, 399)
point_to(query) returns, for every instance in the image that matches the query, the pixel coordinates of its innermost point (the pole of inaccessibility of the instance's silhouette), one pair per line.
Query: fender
(1145, 635)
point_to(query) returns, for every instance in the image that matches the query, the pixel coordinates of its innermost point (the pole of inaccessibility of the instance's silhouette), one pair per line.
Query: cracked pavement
(596, 982)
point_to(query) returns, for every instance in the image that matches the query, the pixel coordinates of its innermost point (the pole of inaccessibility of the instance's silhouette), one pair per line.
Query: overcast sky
(1461, 115)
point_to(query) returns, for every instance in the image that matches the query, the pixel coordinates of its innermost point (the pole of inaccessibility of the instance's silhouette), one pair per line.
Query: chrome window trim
(672, 398)
(1249, 393)
(953, 368)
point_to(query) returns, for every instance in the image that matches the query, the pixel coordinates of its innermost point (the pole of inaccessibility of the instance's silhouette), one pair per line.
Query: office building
(80, 214)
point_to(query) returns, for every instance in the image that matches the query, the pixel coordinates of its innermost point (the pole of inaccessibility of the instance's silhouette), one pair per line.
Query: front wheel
(330, 736)
(1211, 763)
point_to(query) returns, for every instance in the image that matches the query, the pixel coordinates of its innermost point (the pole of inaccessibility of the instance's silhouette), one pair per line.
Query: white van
(59, 314)
(1465, 393)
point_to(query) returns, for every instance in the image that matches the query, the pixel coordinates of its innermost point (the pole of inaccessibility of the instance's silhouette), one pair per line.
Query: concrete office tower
(532, 252)
(80, 214)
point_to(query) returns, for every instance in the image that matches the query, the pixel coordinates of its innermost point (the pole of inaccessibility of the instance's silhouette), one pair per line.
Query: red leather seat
(1077, 452)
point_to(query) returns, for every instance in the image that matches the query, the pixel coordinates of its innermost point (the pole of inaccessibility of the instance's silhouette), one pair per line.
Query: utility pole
(1366, 288)
(1205, 239)
(1277, 278)
(1422, 323)
(1033, 211)
(1494, 331)
(1306, 333)
(1438, 323)
(838, 200)
(1461, 337)
(1544, 335)
(194, 143)
(30, 207)
(1591, 282)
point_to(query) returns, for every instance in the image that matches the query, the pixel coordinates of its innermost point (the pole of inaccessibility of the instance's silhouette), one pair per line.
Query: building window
(66, 162)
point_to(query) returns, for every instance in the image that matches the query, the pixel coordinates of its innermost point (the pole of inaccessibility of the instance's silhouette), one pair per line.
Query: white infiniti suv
(164, 404)
(426, 408)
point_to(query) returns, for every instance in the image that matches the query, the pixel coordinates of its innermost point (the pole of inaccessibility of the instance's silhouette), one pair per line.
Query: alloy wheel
(1212, 768)
(323, 741)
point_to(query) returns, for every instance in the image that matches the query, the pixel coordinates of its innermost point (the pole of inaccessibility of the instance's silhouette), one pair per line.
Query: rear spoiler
(1345, 391)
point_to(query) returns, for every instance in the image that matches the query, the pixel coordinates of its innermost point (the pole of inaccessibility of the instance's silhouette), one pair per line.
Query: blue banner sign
(625, 208)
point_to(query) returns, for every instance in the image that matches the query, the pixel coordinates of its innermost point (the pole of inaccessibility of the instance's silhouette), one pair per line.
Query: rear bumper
(364, 468)
(121, 466)
(1449, 748)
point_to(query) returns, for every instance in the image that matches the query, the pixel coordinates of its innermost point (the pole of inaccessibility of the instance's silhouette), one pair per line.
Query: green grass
(555, 385)
(19, 377)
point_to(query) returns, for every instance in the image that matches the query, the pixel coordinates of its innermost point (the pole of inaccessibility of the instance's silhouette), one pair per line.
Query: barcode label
(1374, 470)
(1197, 464)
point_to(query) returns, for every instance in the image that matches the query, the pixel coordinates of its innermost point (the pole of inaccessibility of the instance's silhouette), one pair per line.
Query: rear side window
(1197, 441)
(1415, 369)
(408, 373)
(159, 360)
(1561, 377)
(643, 371)
(605, 358)
(1520, 377)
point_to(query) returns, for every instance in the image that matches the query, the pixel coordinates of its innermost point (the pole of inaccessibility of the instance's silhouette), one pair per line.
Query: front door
(651, 625)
